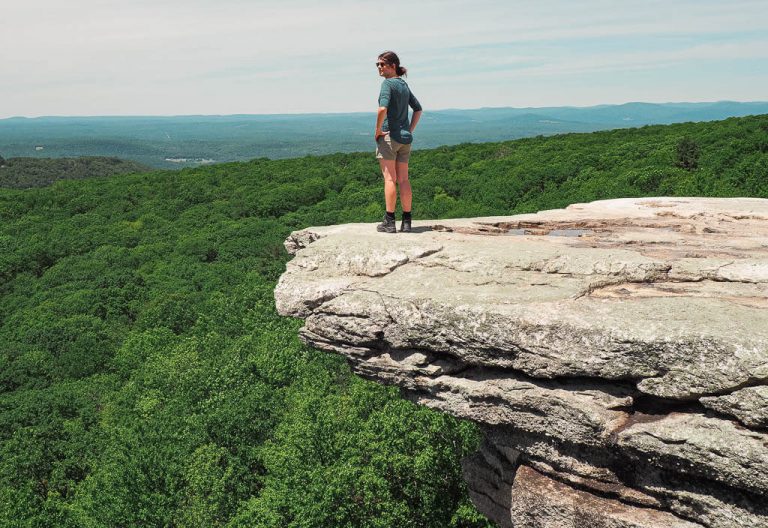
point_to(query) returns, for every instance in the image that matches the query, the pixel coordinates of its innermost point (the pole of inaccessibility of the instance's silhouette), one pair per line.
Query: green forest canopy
(145, 378)
(22, 173)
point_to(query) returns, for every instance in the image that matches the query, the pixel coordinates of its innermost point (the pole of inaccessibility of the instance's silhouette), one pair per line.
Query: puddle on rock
(570, 232)
(553, 232)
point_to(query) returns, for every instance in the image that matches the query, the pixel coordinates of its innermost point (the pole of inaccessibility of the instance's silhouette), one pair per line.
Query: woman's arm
(414, 103)
(384, 95)
(380, 115)
(415, 120)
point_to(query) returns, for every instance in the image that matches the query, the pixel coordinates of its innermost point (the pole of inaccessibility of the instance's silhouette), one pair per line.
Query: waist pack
(403, 136)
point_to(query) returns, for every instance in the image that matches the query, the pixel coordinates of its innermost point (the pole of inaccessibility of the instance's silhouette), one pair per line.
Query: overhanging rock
(614, 353)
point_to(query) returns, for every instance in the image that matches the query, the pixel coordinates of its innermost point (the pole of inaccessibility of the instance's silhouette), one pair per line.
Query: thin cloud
(614, 62)
(236, 56)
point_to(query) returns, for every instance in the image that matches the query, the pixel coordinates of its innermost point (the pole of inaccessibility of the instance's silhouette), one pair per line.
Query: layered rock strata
(615, 353)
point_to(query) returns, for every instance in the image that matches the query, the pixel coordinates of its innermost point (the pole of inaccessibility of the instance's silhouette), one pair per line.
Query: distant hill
(190, 141)
(23, 173)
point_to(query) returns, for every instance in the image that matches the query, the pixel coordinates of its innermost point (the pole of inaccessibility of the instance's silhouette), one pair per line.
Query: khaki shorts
(389, 149)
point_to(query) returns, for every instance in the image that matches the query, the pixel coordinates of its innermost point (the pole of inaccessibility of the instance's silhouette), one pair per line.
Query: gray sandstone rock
(749, 406)
(614, 474)
(589, 342)
(489, 475)
(705, 447)
(541, 502)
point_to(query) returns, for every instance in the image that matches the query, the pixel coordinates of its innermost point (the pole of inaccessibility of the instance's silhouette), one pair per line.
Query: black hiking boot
(387, 226)
(405, 226)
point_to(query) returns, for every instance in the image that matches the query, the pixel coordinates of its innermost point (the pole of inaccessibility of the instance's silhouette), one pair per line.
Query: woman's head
(391, 58)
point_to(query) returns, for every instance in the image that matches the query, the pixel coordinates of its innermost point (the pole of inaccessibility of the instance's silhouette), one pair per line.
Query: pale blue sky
(170, 57)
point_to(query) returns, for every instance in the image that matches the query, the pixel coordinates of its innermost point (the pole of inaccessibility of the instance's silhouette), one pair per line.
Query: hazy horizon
(458, 109)
(189, 140)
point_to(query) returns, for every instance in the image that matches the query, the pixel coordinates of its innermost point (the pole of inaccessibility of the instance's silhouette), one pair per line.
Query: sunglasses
(381, 64)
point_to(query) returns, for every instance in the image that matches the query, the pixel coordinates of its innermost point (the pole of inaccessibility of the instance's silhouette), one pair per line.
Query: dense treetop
(22, 173)
(145, 378)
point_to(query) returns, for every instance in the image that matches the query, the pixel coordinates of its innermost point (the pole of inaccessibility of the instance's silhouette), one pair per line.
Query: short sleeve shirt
(396, 96)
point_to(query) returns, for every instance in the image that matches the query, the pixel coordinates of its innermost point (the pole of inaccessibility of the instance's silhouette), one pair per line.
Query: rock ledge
(615, 353)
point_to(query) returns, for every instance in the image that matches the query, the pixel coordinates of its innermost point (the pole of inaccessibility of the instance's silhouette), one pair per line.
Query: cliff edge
(614, 353)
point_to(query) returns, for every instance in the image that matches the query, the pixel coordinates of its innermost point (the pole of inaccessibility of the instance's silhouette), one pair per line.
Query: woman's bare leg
(389, 170)
(405, 185)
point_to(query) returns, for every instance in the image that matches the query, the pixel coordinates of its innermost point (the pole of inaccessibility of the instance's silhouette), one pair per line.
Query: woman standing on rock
(394, 134)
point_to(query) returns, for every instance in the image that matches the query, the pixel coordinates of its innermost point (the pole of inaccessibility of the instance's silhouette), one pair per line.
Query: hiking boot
(387, 226)
(405, 226)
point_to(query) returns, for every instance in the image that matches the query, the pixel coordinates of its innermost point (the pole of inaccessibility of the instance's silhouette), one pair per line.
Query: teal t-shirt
(396, 96)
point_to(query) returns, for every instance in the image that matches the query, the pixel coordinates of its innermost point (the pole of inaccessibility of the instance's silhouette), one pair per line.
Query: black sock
(406, 215)
(390, 216)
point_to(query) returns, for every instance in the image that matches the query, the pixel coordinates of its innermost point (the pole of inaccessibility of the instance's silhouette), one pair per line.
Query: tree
(687, 154)
(2, 161)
